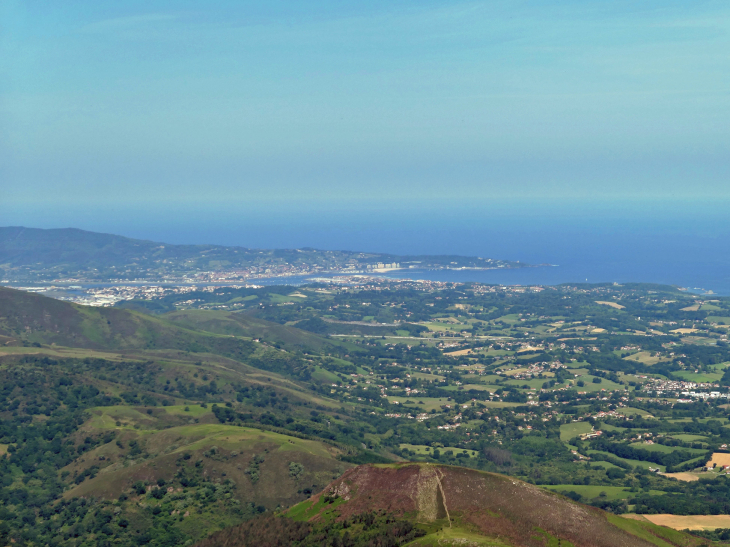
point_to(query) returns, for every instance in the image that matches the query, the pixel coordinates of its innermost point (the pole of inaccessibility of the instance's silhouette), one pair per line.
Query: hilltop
(460, 506)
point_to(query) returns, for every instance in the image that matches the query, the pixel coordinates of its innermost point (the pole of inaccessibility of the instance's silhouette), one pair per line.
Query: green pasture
(414, 403)
(702, 377)
(631, 411)
(106, 417)
(535, 383)
(591, 491)
(634, 463)
(666, 449)
(719, 319)
(688, 438)
(574, 429)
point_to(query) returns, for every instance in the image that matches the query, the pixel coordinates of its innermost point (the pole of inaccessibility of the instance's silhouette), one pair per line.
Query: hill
(122, 428)
(428, 505)
(456, 501)
(32, 254)
(132, 444)
(239, 324)
(33, 318)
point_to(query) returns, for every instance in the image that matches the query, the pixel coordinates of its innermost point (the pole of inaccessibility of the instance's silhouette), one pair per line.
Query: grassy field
(574, 429)
(480, 387)
(414, 403)
(608, 427)
(666, 449)
(594, 491)
(631, 411)
(322, 375)
(589, 386)
(645, 357)
(690, 376)
(634, 463)
(688, 438)
(535, 383)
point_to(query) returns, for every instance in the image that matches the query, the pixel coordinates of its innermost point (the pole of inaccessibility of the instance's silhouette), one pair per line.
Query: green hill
(32, 318)
(239, 324)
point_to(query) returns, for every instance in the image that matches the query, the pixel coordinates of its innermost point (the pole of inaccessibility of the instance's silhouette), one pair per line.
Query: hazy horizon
(188, 104)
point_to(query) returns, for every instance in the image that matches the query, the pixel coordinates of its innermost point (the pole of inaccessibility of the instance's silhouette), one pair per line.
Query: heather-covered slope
(453, 500)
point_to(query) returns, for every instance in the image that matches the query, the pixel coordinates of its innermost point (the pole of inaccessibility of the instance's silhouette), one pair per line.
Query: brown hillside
(496, 505)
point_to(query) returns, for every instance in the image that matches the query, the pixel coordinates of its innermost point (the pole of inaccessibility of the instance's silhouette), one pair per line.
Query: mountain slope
(239, 324)
(465, 501)
(32, 318)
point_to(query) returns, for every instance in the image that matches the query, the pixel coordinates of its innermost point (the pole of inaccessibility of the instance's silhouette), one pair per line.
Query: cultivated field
(691, 522)
(684, 477)
(612, 304)
(720, 458)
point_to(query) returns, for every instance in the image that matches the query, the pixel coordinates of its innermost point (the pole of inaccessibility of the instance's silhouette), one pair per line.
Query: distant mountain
(31, 254)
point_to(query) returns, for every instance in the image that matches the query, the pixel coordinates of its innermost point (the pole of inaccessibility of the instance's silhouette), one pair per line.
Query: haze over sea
(683, 243)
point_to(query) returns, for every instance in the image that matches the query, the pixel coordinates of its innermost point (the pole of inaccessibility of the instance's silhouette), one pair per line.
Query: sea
(677, 242)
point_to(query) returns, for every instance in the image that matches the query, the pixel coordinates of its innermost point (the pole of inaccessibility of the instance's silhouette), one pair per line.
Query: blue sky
(118, 105)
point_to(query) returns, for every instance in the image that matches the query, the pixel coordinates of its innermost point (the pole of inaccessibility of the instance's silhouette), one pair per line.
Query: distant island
(69, 255)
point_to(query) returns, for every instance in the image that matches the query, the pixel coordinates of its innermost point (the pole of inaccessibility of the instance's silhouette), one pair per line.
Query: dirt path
(443, 497)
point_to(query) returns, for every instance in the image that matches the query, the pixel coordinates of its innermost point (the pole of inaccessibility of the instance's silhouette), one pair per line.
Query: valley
(164, 421)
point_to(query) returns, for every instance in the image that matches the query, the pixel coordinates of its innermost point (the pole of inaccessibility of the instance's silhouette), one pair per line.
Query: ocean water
(673, 242)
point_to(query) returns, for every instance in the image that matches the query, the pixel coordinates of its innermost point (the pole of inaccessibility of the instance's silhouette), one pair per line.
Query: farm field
(575, 429)
(591, 491)
(686, 476)
(686, 522)
(633, 463)
(666, 449)
(720, 459)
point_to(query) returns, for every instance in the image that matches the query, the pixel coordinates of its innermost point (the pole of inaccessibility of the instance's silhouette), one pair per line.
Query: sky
(115, 112)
